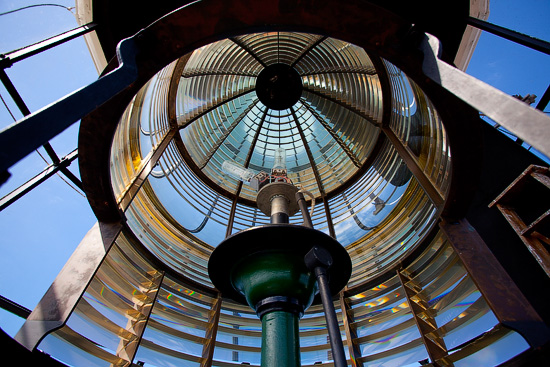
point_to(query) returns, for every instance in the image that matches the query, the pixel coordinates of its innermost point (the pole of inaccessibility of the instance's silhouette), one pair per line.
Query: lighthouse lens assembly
(334, 150)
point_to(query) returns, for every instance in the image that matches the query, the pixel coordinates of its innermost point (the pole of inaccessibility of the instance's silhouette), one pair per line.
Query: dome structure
(361, 190)
(386, 155)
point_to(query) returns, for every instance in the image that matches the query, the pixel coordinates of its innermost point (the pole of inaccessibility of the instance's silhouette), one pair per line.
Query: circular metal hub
(279, 86)
(266, 193)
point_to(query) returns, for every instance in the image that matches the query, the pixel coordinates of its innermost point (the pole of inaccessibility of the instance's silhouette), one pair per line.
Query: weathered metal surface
(533, 244)
(211, 332)
(55, 307)
(145, 170)
(506, 300)
(351, 335)
(515, 194)
(519, 184)
(542, 222)
(527, 123)
(427, 327)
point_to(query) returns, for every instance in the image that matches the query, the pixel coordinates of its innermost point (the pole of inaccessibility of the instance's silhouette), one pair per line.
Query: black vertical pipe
(303, 208)
(334, 335)
(279, 210)
(279, 218)
(319, 260)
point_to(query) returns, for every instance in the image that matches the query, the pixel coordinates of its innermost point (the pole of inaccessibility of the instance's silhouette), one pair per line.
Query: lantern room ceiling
(121, 19)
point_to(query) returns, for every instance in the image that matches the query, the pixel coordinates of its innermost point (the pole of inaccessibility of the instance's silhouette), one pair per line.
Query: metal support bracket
(36, 129)
(525, 122)
(55, 307)
(48, 172)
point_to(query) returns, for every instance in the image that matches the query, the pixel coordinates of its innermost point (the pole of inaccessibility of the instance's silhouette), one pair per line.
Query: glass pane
(239, 337)
(507, 345)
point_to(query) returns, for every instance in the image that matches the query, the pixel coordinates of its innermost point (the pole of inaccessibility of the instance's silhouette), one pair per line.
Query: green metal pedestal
(280, 340)
(264, 267)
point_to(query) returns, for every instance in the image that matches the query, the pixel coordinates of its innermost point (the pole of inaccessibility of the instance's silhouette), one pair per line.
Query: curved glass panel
(224, 120)
(416, 122)
(361, 188)
(132, 312)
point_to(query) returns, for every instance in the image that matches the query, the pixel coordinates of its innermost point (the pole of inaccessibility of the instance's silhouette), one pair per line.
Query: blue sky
(41, 230)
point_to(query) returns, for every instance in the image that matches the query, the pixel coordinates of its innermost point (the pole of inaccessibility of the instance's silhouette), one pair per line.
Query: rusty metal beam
(435, 346)
(516, 193)
(533, 244)
(211, 332)
(351, 335)
(146, 169)
(430, 189)
(55, 307)
(507, 302)
(525, 122)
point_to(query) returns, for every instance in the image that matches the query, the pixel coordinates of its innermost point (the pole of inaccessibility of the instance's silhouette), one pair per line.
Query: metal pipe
(511, 35)
(303, 208)
(279, 210)
(336, 344)
(12, 57)
(14, 94)
(280, 340)
(319, 260)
